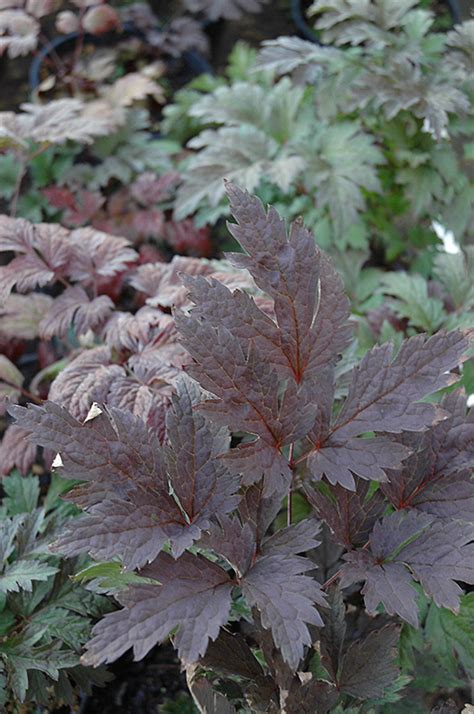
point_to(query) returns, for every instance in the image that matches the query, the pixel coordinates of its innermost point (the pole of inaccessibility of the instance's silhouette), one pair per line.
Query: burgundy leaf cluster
(193, 507)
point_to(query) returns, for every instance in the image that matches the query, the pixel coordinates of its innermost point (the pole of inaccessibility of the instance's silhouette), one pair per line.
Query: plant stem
(330, 581)
(24, 391)
(289, 507)
(60, 68)
(23, 161)
(19, 180)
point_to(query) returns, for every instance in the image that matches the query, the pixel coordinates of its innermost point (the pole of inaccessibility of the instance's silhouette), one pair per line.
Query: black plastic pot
(195, 62)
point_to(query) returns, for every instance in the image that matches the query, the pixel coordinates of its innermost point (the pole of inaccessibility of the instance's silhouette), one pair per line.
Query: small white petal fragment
(58, 462)
(93, 412)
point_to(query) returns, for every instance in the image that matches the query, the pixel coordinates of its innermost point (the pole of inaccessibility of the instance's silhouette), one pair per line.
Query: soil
(152, 685)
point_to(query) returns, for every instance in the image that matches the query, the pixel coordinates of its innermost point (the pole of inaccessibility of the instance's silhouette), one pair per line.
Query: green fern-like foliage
(382, 108)
(45, 616)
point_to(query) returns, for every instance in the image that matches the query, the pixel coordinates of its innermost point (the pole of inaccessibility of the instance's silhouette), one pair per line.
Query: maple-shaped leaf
(437, 477)
(460, 42)
(412, 301)
(306, 338)
(278, 588)
(133, 514)
(48, 252)
(192, 596)
(143, 389)
(247, 400)
(310, 307)
(350, 515)
(407, 545)
(85, 380)
(56, 122)
(43, 254)
(21, 575)
(285, 55)
(384, 396)
(149, 189)
(341, 163)
(343, 21)
(161, 282)
(403, 87)
(242, 154)
(273, 579)
(98, 254)
(228, 9)
(365, 668)
(21, 314)
(198, 477)
(15, 451)
(275, 109)
(133, 332)
(74, 308)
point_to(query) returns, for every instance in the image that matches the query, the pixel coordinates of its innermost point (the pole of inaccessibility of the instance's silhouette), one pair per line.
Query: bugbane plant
(382, 107)
(101, 324)
(253, 426)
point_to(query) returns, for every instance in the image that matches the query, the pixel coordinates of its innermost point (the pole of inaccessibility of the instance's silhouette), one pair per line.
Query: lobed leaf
(191, 594)
(130, 511)
(407, 545)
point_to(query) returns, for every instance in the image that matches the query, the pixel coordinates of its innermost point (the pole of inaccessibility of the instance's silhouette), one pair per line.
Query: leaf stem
(23, 391)
(18, 182)
(289, 505)
(330, 581)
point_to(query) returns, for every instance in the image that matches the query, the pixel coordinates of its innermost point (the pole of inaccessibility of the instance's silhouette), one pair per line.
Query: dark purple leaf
(350, 515)
(407, 545)
(192, 594)
(135, 514)
(437, 477)
(369, 665)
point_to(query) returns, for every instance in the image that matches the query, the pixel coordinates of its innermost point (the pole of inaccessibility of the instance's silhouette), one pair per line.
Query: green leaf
(49, 166)
(20, 575)
(341, 163)
(411, 300)
(456, 273)
(22, 493)
(9, 170)
(47, 658)
(31, 206)
(57, 488)
(449, 633)
(7, 622)
(59, 624)
(468, 376)
(111, 577)
(8, 530)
